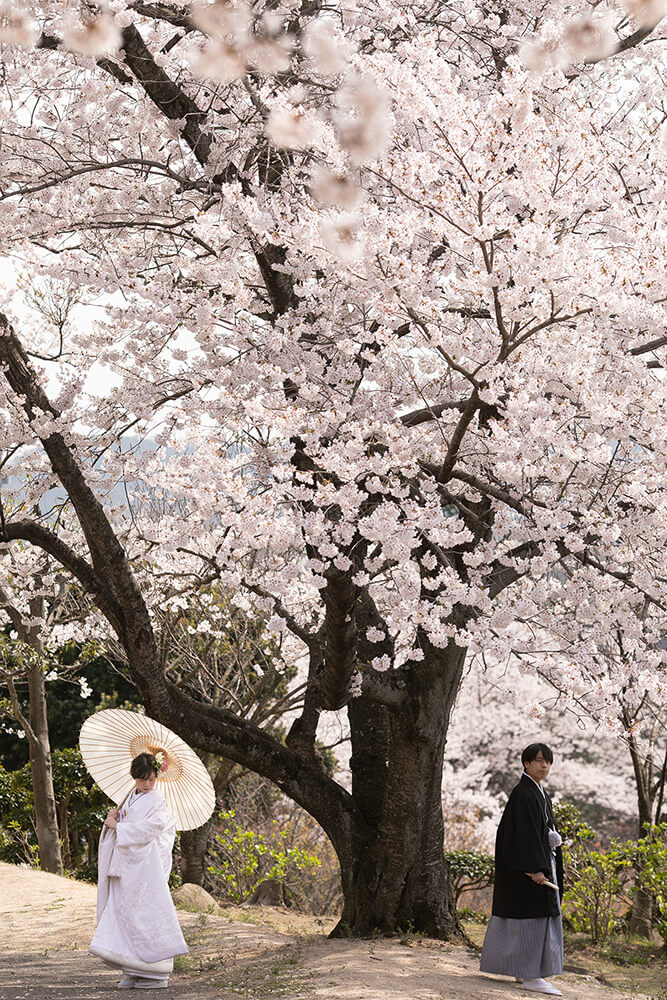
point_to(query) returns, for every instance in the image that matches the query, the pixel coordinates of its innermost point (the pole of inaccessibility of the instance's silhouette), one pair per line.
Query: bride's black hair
(143, 766)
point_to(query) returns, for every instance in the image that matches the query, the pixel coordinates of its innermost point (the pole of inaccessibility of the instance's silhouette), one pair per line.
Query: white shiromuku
(137, 926)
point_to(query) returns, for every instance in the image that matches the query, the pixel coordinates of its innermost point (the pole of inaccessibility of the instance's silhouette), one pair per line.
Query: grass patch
(196, 963)
(193, 908)
(475, 931)
(272, 976)
(633, 951)
(195, 935)
(627, 963)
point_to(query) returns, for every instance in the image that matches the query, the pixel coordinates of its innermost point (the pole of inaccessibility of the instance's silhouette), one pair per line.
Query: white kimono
(137, 927)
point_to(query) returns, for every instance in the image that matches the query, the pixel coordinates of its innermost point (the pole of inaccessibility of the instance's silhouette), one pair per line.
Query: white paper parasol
(109, 741)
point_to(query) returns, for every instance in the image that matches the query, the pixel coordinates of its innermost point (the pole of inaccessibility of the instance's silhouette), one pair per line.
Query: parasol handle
(105, 828)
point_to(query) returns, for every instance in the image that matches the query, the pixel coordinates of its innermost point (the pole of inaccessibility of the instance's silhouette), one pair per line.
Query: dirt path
(46, 923)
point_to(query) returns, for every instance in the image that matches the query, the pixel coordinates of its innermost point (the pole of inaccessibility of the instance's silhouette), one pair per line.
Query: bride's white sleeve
(142, 832)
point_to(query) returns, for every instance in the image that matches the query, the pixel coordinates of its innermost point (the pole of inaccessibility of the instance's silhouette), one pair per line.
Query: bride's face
(145, 784)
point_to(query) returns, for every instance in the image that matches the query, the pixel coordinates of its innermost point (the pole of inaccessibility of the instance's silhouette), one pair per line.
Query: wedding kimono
(525, 934)
(137, 927)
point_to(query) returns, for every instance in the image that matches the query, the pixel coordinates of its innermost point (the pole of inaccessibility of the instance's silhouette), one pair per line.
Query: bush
(472, 916)
(242, 858)
(599, 886)
(18, 840)
(469, 870)
(600, 883)
(570, 824)
(81, 810)
(649, 857)
(597, 881)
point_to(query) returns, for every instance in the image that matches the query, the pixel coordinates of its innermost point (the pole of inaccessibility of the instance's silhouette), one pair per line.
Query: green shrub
(570, 824)
(81, 808)
(472, 916)
(597, 886)
(18, 840)
(241, 859)
(600, 883)
(469, 870)
(597, 881)
(649, 857)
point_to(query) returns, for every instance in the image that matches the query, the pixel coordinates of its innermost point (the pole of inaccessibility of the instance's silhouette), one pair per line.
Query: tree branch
(114, 164)
(340, 632)
(18, 714)
(456, 439)
(426, 413)
(172, 101)
(630, 42)
(13, 614)
(50, 42)
(301, 777)
(178, 16)
(651, 346)
(108, 556)
(48, 541)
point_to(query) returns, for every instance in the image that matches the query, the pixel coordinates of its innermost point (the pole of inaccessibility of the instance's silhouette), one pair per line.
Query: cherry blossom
(97, 36)
(17, 26)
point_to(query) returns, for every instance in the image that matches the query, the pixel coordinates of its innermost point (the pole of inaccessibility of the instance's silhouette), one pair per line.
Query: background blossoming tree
(384, 288)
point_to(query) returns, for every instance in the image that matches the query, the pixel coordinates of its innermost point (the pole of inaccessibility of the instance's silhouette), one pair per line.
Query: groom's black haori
(524, 938)
(522, 845)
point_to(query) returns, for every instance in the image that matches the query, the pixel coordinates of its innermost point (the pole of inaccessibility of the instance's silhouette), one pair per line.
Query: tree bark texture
(193, 854)
(394, 872)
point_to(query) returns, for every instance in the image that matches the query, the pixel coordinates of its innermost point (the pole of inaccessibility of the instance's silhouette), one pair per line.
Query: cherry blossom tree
(384, 285)
(617, 687)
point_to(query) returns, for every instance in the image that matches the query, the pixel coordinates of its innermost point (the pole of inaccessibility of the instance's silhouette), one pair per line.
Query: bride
(137, 927)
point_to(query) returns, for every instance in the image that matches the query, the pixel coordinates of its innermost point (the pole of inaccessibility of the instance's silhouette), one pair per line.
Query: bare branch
(651, 346)
(185, 182)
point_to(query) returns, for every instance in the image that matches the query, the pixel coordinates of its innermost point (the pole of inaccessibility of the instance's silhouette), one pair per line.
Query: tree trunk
(64, 831)
(46, 816)
(193, 854)
(641, 919)
(394, 873)
(36, 728)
